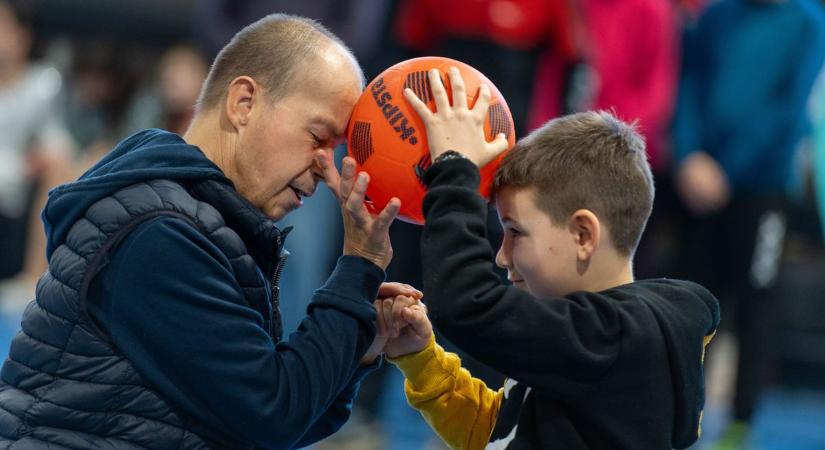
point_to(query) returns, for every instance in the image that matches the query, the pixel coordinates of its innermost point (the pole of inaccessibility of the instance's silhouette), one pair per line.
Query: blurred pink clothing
(632, 47)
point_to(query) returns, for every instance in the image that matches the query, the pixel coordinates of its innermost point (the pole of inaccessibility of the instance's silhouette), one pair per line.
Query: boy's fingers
(417, 319)
(420, 107)
(500, 143)
(482, 104)
(442, 102)
(459, 93)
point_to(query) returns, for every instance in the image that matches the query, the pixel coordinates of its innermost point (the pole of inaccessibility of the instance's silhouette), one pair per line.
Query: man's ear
(586, 230)
(239, 100)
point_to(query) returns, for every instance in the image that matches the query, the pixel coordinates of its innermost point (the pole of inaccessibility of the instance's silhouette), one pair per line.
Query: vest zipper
(275, 279)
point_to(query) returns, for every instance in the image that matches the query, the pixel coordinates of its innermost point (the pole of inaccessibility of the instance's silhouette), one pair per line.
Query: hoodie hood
(147, 155)
(683, 311)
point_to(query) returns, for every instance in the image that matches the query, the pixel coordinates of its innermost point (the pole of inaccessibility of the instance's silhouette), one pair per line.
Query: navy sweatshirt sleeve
(549, 343)
(338, 413)
(170, 303)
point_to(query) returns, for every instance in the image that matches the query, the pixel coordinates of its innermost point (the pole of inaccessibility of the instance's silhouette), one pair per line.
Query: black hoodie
(617, 369)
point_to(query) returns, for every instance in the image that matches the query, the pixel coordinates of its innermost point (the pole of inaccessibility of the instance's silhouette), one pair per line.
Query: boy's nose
(501, 260)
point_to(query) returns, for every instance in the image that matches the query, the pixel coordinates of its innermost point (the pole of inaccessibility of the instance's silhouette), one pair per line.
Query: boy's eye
(514, 232)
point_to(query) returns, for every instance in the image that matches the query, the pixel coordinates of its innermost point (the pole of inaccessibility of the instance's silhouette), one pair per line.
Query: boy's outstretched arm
(459, 408)
(561, 345)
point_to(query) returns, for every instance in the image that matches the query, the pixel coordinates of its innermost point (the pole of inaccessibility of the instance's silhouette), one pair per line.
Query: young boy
(594, 359)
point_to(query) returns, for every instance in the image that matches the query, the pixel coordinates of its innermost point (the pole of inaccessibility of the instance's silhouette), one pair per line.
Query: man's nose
(308, 180)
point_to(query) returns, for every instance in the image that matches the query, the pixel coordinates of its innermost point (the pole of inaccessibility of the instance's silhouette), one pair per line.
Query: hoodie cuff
(426, 369)
(453, 172)
(353, 286)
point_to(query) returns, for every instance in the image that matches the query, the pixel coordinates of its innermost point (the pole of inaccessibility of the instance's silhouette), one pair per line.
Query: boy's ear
(239, 100)
(586, 230)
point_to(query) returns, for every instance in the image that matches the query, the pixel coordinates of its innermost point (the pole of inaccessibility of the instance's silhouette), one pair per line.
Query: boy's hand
(387, 292)
(404, 320)
(457, 127)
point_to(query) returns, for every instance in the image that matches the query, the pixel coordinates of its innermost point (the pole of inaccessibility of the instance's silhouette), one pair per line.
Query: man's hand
(387, 291)
(378, 343)
(404, 322)
(702, 183)
(365, 234)
(457, 127)
(390, 290)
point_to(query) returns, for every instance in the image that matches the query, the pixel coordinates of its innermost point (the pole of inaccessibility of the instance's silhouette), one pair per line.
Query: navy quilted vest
(64, 384)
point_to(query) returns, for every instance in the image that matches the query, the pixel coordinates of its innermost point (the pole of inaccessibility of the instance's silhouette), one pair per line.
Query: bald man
(157, 323)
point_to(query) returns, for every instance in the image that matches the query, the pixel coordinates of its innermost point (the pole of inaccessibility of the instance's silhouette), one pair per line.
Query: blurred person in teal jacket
(748, 70)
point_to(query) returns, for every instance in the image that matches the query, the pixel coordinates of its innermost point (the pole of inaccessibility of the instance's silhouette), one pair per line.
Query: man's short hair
(589, 160)
(272, 51)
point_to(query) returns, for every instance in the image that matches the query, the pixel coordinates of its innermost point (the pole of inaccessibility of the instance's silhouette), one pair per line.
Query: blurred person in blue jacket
(157, 324)
(749, 67)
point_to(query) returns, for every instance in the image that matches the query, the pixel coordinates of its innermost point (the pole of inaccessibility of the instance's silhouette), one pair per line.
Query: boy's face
(540, 256)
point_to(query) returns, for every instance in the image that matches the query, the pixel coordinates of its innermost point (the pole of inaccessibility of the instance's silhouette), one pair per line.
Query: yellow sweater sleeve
(461, 409)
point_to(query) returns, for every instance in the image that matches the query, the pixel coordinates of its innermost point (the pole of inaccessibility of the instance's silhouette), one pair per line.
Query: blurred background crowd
(729, 94)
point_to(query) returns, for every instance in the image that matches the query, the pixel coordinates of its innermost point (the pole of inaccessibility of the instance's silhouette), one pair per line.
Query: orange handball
(389, 141)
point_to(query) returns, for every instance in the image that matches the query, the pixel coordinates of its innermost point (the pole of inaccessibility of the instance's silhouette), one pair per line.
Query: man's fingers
(442, 102)
(393, 289)
(379, 317)
(388, 214)
(347, 179)
(459, 92)
(355, 199)
(387, 313)
(331, 176)
(397, 306)
(413, 292)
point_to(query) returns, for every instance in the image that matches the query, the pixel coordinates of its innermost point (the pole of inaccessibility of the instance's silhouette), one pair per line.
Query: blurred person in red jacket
(626, 59)
(500, 38)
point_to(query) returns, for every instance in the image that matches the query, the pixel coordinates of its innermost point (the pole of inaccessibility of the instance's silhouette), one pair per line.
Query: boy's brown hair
(589, 160)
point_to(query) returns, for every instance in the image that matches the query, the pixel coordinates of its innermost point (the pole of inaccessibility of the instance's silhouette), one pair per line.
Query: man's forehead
(336, 129)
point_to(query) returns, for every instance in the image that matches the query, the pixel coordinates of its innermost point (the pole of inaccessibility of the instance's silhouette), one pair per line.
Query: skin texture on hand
(387, 291)
(403, 320)
(457, 127)
(365, 234)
